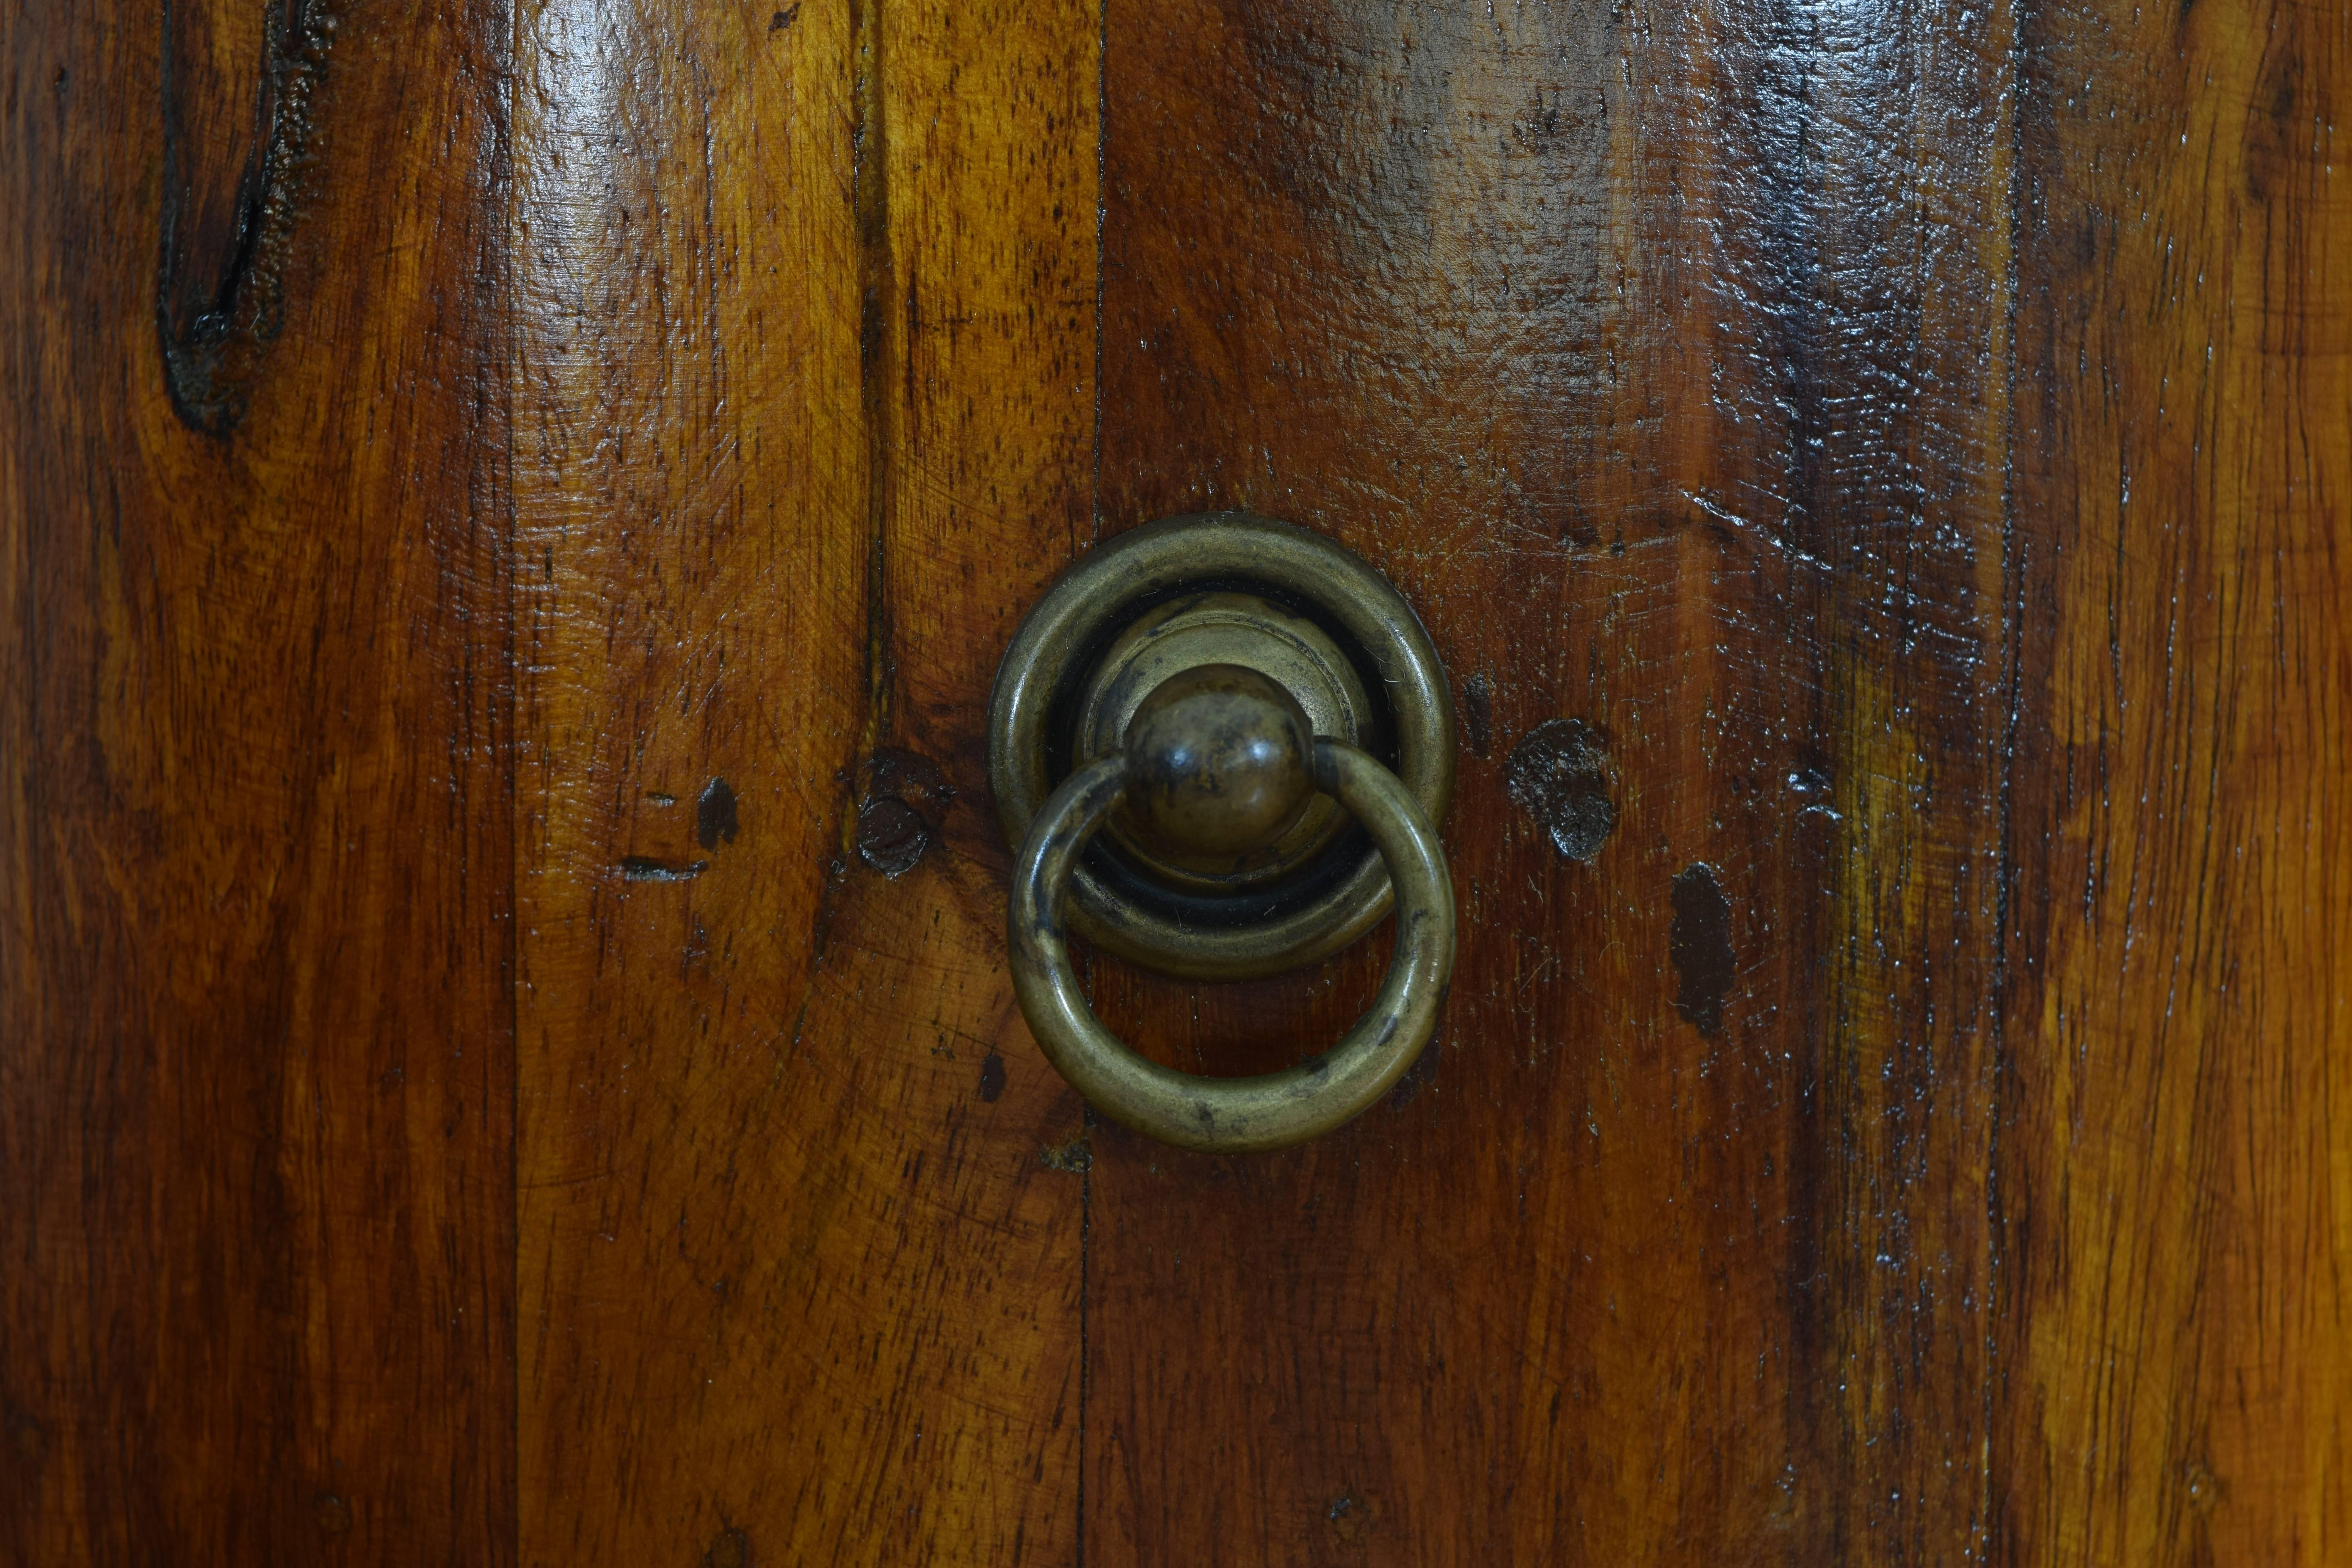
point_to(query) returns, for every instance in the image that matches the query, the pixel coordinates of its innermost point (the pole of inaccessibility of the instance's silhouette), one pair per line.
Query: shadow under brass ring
(1236, 1115)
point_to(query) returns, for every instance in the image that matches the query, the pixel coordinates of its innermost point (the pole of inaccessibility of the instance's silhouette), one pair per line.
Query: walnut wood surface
(2178, 1166)
(256, 1036)
(805, 328)
(1912, 455)
(511, 514)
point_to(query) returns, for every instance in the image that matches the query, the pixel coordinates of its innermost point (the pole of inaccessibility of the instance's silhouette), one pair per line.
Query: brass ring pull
(1218, 761)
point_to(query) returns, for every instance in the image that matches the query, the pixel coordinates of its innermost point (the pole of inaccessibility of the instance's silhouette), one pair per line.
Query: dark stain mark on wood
(902, 799)
(1699, 942)
(992, 1078)
(715, 818)
(1478, 714)
(783, 18)
(732, 1549)
(218, 298)
(644, 868)
(1558, 775)
(891, 836)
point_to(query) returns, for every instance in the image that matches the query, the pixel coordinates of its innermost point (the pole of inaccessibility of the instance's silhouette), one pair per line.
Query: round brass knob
(1217, 765)
(1219, 762)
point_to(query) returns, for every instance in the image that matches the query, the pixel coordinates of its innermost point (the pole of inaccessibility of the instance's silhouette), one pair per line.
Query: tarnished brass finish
(1217, 767)
(1234, 589)
(1228, 629)
(1236, 1115)
(1195, 683)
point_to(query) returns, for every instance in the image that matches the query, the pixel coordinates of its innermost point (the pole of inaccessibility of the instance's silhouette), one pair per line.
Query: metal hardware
(1231, 629)
(1221, 589)
(1218, 764)
(1246, 735)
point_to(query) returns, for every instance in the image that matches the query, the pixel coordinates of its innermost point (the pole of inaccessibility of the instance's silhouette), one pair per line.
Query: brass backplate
(1233, 588)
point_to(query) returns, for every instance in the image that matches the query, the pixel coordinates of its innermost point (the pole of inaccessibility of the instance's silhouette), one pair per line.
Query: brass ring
(1236, 1115)
(1050, 656)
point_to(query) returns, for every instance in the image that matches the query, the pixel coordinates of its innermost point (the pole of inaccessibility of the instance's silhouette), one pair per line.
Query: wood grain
(510, 515)
(1666, 357)
(803, 415)
(1472, 308)
(255, 1026)
(2178, 1172)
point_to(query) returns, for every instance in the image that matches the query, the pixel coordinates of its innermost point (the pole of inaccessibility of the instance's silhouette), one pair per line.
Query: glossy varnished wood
(1731, 385)
(510, 517)
(803, 416)
(2177, 1169)
(257, 881)
(1490, 301)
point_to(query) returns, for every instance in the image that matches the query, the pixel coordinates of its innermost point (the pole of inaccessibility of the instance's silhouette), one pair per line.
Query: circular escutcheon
(1202, 630)
(1222, 588)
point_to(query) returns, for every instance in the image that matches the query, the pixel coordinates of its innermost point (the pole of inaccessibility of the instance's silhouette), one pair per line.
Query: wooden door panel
(512, 516)
(257, 1063)
(1571, 320)
(2179, 1195)
(803, 421)
(1873, 681)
